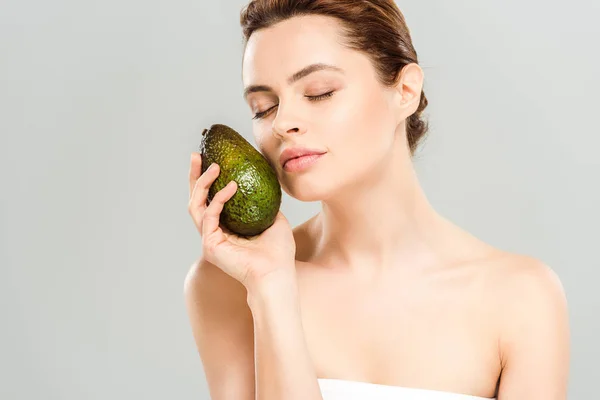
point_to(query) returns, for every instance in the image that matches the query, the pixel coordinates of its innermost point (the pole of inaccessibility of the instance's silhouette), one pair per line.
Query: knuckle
(219, 195)
(222, 193)
(208, 215)
(193, 208)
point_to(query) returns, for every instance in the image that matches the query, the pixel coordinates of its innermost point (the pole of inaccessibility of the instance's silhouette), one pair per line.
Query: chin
(307, 188)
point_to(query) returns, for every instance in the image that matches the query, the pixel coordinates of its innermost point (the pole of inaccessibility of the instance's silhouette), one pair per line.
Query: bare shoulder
(524, 287)
(207, 288)
(207, 278)
(524, 281)
(534, 328)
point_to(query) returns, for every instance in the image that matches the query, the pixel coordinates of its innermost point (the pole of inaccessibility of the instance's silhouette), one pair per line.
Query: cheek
(365, 123)
(259, 145)
(362, 133)
(265, 144)
(377, 113)
(259, 138)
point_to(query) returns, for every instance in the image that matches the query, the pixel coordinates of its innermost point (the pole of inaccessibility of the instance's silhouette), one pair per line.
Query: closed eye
(261, 114)
(320, 97)
(323, 96)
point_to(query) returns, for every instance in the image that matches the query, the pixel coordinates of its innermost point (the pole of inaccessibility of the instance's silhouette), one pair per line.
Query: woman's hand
(249, 260)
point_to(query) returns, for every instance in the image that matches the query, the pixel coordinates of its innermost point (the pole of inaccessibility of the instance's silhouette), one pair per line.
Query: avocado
(255, 204)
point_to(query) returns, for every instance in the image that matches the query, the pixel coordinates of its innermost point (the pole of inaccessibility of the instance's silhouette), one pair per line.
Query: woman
(377, 296)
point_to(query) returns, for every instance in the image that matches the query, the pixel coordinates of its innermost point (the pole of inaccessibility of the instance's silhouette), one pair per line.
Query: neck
(381, 221)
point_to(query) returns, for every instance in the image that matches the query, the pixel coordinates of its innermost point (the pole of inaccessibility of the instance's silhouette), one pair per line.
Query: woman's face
(343, 111)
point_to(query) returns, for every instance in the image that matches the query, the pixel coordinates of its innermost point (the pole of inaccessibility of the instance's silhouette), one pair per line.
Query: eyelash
(323, 96)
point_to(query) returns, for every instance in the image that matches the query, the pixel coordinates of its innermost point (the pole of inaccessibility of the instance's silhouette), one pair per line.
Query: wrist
(276, 286)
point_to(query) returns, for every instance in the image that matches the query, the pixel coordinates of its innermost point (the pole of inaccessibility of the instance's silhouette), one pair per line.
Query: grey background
(102, 102)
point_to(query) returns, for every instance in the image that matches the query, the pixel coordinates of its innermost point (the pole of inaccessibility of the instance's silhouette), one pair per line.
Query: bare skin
(390, 291)
(431, 327)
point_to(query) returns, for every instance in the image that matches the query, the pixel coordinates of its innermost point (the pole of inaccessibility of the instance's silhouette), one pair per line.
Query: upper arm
(223, 330)
(535, 338)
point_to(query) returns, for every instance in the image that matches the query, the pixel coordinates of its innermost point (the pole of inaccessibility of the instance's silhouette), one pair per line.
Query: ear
(408, 90)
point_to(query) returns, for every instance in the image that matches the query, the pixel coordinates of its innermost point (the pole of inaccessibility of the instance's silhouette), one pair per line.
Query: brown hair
(374, 27)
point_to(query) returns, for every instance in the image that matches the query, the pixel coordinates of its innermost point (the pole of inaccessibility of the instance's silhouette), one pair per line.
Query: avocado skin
(254, 206)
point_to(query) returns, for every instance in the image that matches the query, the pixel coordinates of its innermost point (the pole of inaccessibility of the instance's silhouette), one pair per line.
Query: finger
(212, 214)
(195, 170)
(197, 203)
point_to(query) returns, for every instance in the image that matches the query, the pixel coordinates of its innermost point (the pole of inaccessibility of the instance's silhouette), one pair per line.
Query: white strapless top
(339, 389)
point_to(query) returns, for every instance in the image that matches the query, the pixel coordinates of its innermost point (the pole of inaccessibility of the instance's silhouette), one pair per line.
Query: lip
(301, 163)
(296, 152)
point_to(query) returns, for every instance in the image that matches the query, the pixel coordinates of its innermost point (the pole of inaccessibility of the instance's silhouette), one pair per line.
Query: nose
(286, 124)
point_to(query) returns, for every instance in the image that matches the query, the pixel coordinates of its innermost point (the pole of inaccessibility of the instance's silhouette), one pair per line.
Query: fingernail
(211, 167)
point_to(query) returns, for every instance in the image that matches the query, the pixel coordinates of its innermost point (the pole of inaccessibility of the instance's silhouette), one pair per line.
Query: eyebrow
(294, 78)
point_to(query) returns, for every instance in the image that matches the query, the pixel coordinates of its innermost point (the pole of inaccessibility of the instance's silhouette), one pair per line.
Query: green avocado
(254, 206)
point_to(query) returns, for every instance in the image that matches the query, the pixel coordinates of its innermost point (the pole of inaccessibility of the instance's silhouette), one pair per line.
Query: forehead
(275, 52)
